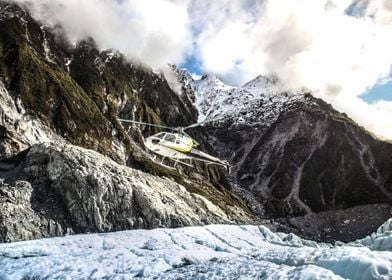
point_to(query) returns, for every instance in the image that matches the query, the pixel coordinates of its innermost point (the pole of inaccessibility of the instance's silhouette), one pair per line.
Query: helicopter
(177, 147)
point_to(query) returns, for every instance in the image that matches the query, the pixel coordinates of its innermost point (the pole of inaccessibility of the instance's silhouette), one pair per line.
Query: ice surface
(209, 252)
(381, 240)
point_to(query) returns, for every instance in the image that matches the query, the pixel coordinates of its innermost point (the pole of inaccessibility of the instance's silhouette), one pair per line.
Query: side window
(184, 140)
(170, 138)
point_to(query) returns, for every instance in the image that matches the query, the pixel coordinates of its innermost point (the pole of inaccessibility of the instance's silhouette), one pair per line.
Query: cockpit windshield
(170, 138)
(160, 135)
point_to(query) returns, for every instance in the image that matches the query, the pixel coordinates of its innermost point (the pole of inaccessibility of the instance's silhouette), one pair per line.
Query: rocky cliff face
(54, 189)
(58, 94)
(78, 92)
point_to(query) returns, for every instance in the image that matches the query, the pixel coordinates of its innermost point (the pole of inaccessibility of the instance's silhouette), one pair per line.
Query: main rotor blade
(202, 123)
(144, 123)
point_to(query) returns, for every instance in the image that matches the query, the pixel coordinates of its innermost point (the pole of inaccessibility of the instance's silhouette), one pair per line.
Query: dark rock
(310, 159)
(339, 225)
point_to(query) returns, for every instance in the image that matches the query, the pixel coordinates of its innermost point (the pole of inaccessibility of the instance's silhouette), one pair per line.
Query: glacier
(208, 252)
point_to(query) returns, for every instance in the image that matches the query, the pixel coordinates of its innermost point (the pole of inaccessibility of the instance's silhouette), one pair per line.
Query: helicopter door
(155, 139)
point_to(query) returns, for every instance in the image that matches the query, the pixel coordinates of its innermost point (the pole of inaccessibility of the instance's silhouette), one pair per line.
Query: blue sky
(379, 92)
(192, 65)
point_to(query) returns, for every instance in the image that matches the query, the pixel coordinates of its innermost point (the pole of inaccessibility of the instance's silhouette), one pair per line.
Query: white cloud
(338, 48)
(311, 43)
(374, 117)
(154, 31)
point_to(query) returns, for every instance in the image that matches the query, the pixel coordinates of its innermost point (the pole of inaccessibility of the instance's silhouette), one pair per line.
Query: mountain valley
(69, 166)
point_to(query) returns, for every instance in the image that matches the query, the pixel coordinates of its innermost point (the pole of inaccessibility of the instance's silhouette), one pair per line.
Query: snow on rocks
(209, 252)
(45, 44)
(6, 12)
(23, 130)
(214, 98)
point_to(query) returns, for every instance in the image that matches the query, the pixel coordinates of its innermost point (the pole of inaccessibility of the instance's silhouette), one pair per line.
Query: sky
(339, 49)
(381, 91)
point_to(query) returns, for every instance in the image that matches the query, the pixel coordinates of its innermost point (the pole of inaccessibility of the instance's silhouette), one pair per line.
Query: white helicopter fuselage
(178, 147)
(173, 141)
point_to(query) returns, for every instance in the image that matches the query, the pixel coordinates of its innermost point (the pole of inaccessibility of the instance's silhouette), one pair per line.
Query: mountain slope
(292, 154)
(56, 189)
(61, 94)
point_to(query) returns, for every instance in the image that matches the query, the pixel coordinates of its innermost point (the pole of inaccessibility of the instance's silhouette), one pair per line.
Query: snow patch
(45, 45)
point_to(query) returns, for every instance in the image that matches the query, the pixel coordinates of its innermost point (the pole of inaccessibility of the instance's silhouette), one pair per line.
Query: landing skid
(172, 164)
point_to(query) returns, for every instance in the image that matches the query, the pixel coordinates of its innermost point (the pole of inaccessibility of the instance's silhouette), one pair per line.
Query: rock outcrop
(55, 189)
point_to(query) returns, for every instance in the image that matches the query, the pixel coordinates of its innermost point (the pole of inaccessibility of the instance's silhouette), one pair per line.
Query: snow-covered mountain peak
(262, 80)
(214, 98)
(212, 81)
(263, 85)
